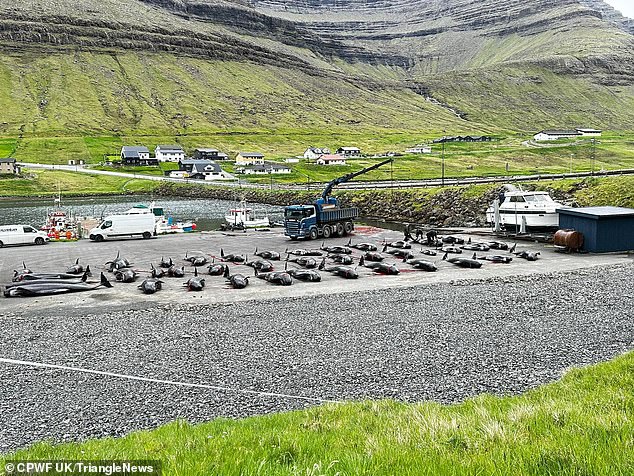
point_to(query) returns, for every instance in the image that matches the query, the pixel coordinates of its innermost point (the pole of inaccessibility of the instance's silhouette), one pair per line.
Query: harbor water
(207, 214)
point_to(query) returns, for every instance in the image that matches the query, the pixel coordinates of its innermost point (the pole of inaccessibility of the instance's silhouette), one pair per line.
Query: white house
(249, 158)
(9, 166)
(169, 153)
(556, 134)
(419, 149)
(264, 169)
(313, 153)
(331, 159)
(590, 132)
(349, 151)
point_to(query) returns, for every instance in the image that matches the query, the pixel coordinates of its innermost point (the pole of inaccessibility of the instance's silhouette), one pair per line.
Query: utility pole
(594, 152)
(442, 160)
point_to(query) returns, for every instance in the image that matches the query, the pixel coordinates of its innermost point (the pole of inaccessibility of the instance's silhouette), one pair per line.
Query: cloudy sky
(626, 7)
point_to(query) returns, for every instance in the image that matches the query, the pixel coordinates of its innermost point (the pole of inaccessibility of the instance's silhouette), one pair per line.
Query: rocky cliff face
(608, 13)
(435, 48)
(420, 36)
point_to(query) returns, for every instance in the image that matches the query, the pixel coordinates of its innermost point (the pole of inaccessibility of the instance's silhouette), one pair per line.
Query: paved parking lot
(57, 256)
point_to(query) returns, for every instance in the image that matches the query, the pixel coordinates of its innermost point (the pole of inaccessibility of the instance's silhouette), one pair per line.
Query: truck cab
(299, 220)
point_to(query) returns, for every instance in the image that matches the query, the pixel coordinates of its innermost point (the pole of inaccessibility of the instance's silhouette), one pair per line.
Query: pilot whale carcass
(151, 285)
(237, 281)
(464, 262)
(379, 267)
(36, 288)
(340, 270)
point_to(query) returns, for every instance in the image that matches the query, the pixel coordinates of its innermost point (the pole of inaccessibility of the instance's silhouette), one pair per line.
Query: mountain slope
(186, 66)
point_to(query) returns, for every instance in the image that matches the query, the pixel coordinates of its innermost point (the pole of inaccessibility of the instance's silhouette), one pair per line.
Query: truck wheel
(340, 230)
(348, 227)
(147, 235)
(98, 238)
(326, 231)
(39, 240)
(1, 244)
(313, 233)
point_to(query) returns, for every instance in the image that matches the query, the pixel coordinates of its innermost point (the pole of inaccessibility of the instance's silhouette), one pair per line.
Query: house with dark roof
(349, 151)
(169, 153)
(249, 158)
(199, 170)
(136, 155)
(209, 154)
(589, 132)
(554, 134)
(9, 166)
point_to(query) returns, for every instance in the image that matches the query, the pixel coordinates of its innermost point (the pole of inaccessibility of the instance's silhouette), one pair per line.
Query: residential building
(419, 149)
(331, 159)
(249, 158)
(313, 153)
(210, 154)
(292, 160)
(265, 168)
(554, 134)
(349, 151)
(199, 170)
(9, 166)
(136, 155)
(590, 132)
(169, 153)
(463, 139)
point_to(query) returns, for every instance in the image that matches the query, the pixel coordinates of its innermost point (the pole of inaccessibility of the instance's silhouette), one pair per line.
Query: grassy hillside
(154, 94)
(581, 425)
(56, 107)
(530, 98)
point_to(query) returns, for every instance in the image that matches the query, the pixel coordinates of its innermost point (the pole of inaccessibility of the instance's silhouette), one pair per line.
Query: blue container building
(604, 229)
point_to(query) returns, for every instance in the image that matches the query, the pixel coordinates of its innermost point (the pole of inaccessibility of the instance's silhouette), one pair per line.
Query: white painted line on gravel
(166, 382)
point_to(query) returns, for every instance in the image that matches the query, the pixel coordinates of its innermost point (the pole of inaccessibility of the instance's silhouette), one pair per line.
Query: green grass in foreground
(581, 425)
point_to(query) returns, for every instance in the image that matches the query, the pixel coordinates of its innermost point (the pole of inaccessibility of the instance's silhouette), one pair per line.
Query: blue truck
(323, 218)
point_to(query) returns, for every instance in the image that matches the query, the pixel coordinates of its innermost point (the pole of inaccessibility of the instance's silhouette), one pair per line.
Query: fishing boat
(60, 225)
(245, 217)
(533, 209)
(164, 224)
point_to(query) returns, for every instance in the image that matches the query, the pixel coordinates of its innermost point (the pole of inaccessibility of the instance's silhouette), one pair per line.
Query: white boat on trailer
(518, 208)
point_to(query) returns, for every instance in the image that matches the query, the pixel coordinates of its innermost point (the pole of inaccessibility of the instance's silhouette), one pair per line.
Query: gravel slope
(444, 342)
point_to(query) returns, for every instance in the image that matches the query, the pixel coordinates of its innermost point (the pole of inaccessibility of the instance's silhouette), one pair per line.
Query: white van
(21, 235)
(125, 225)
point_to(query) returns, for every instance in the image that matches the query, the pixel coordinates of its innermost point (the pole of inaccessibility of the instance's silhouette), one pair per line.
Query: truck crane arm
(345, 178)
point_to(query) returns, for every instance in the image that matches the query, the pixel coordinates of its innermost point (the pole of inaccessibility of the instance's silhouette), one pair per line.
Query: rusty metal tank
(570, 239)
